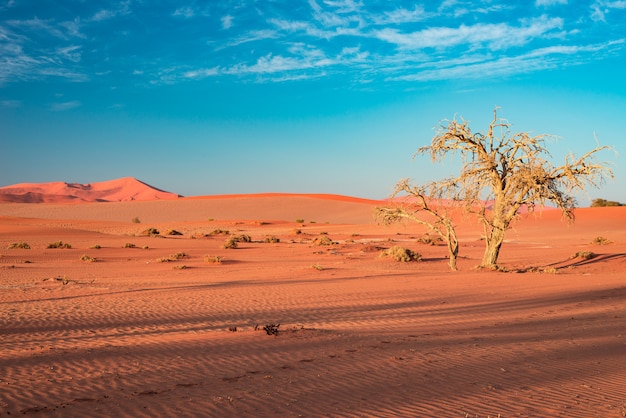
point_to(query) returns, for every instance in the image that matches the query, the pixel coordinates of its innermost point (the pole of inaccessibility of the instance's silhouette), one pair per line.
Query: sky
(296, 96)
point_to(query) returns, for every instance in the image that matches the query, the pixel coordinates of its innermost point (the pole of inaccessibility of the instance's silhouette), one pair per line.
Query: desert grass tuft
(22, 245)
(213, 259)
(130, 245)
(323, 240)
(271, 239)
(401, 254)
(601, 241)
(150, 232)
(231, 243)
(88, 259)
(585, 255)
(59, 244)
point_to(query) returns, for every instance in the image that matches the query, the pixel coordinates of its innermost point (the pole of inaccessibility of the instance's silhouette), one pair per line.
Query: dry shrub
(173, 232)
(430, 240)
(150, 232)
(59, 244)
(213, 259)
(130, 245)
(601, 241)
(88, 259)
(231, 243)
(242, 238)
(401, 254)
(585, 255)
(219, 231)
(271, 239)
(323, 240)
(22, 245)
(172, 257)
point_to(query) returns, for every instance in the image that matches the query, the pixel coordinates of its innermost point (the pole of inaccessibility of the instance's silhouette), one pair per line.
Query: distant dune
(120, 190)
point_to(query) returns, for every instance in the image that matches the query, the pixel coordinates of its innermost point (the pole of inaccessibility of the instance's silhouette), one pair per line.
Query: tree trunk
(492, 249)
(453, 250)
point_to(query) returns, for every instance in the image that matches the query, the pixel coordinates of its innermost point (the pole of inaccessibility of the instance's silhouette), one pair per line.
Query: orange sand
(130, 335)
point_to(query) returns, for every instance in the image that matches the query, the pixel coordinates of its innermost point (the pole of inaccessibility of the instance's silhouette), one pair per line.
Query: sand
(133, 334)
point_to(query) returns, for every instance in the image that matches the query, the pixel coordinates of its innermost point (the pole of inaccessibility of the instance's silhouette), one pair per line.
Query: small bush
(317, 267)
(323, 240)
(150, 232)
(180, 267)
(600, 203)
(585, 255)
(230, 243)
(299, 221)
(430, 240)
(59, 244)
(22, 245)
(296, 231)
(135, 220)
(242, 238)
(601, 241)
(271, 239)
(88, 259)
(220, 232)
(213, 259)
(95, 247)
(401, 254)
(130, 245)
(174, 232)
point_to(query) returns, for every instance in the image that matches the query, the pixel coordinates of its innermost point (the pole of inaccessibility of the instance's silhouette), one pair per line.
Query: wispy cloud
(547, 3)
(227, 22)
(63, 106)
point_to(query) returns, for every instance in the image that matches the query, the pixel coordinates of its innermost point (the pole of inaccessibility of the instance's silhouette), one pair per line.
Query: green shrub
(401, 254)
(22, 245)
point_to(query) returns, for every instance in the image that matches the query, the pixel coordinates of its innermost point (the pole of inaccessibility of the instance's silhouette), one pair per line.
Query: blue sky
(318, 96)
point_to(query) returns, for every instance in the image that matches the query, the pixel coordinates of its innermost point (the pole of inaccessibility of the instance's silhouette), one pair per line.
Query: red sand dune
(119, 190)
(157, 331)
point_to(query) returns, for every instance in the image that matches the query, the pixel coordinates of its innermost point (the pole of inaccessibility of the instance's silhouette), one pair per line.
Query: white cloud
(62, 106)
(227, 22)
(547, 3)
(184, 12)
(11, 103)
(201, 73)
(70, 53)
(493, 35)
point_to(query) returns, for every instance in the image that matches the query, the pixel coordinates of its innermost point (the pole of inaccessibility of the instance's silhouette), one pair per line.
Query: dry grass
(323, 240)
(401, 254)
(271, 239)
(601, 241)
(213, 259)
(22, 245)
(59, 244)
(88, 259)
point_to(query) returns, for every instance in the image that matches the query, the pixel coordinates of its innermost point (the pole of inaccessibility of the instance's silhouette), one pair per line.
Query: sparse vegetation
(271, 239)
(401, 254)
(130, 245)
(601, 241)
(22, 245)
(213, 259)
(219, 231)
(95, 247)
(323, 240)
(231, 243)
(317, 266)
(180, 267)
(135, 220)
(173, 232)
(299, 221)
(430, 240)
(585, 255)
(172, 257)
(87, 258)
(601, 203)
(150, 232)
(59, 244)
(242, 238)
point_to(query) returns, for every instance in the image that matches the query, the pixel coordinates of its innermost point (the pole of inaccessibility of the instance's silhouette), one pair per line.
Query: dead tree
(503, 171)
(438, 218)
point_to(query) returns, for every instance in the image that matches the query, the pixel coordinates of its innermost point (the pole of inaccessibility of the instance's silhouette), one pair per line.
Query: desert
(148, 312)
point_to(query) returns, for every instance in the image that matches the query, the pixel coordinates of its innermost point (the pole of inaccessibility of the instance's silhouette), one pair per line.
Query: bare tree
(504, 171)
(438, 219)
